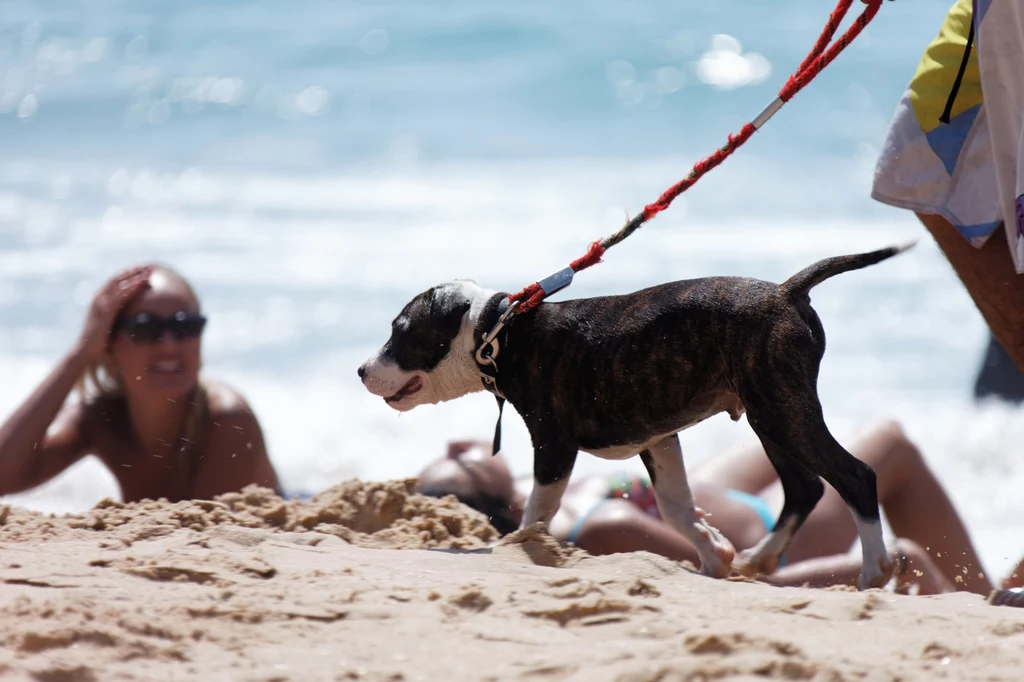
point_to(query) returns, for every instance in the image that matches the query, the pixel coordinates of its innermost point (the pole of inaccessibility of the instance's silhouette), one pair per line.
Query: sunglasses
(148, 328)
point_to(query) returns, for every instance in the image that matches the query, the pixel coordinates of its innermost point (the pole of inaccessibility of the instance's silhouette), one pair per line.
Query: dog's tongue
(410, 387)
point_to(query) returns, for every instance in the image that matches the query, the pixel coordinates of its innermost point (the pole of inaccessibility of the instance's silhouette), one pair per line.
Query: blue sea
(312, 165)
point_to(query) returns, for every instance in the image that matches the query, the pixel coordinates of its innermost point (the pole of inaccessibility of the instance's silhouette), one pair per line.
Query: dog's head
(429, 357)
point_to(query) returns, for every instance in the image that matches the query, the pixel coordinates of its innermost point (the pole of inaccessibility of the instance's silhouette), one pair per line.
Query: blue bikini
(755, 503)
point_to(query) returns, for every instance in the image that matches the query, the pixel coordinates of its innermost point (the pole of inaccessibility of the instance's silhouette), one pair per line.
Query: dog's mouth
(412, 386)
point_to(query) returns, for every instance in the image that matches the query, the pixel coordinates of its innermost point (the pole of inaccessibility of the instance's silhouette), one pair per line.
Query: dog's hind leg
(664, 462)
(855, 482)
(801, 448)
(801, 492)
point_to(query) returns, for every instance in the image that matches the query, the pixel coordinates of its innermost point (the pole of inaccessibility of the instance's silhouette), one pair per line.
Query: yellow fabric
(937, 71)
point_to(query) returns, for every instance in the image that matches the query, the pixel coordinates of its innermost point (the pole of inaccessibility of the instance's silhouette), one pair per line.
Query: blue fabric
(755, 503)
(979, 231)
(982, 7)
(578, 526)
(759, 506)
(948, 140)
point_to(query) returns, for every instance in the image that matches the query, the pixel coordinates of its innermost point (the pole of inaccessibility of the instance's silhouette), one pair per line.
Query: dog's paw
(752, 563)
(717, 563)
(878, 574)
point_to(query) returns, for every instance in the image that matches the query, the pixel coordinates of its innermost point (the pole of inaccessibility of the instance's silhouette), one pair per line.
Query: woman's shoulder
(225, 401)
(230, 412)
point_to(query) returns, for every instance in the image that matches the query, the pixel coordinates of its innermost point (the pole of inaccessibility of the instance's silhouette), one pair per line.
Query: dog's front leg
(552, 466)
(664, 462)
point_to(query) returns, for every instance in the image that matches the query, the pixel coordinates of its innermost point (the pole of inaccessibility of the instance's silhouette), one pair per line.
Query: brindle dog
(618, 376)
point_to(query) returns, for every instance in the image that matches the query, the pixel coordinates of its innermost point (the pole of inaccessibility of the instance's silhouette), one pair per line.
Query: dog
(617, 376)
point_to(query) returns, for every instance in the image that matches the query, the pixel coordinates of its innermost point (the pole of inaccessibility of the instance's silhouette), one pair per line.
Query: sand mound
(534, 545)
(253, 587)
(383, 515)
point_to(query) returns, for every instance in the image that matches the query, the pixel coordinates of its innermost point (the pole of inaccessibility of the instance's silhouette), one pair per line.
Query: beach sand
(371, 582)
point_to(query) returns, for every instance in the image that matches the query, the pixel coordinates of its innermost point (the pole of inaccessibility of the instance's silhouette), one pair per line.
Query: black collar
(493, 310)
(489, 317)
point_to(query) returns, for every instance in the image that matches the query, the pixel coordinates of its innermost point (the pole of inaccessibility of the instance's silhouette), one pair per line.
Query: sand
(371, 582)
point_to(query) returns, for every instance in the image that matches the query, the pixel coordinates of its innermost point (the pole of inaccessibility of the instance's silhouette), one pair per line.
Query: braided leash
(818, 59)
(534, 294)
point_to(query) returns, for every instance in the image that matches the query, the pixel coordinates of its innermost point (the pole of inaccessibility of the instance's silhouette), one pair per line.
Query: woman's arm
(35, 443)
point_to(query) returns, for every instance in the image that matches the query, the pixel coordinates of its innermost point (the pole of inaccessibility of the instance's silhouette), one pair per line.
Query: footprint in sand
(472, 599)
(594, 611)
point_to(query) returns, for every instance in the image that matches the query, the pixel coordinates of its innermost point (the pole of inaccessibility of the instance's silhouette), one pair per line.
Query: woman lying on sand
(742, 495)
(144, 411)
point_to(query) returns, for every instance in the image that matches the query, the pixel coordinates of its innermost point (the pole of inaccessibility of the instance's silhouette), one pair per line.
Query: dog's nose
(361, 372)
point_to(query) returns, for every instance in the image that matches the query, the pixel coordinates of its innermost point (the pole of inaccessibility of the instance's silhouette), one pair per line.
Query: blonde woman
(143, 409)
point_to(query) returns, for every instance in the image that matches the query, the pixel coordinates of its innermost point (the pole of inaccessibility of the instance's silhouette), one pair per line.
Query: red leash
(818, 59)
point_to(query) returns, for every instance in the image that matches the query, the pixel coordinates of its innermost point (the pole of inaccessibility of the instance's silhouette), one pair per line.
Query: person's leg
(998, 376)
(988, 275)
(914, 567)
(914, 502)
(918, 507)
(745, 468)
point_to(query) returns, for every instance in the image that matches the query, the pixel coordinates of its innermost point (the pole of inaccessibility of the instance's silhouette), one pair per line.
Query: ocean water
(311, 166)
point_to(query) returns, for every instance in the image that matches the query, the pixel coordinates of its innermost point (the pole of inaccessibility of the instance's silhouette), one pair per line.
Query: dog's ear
(448, 303)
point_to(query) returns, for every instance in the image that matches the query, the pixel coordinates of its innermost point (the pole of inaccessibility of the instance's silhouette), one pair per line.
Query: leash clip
(487, 353)
(556, 282)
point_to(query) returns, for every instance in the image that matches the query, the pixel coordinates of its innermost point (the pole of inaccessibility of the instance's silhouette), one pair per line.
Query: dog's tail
(801, 283)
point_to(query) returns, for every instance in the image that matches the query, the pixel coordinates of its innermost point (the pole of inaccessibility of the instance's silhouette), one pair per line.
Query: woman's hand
(36, 444)
(106, 306)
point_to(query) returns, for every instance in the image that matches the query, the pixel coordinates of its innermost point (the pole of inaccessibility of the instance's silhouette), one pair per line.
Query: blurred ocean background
(313, 165)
